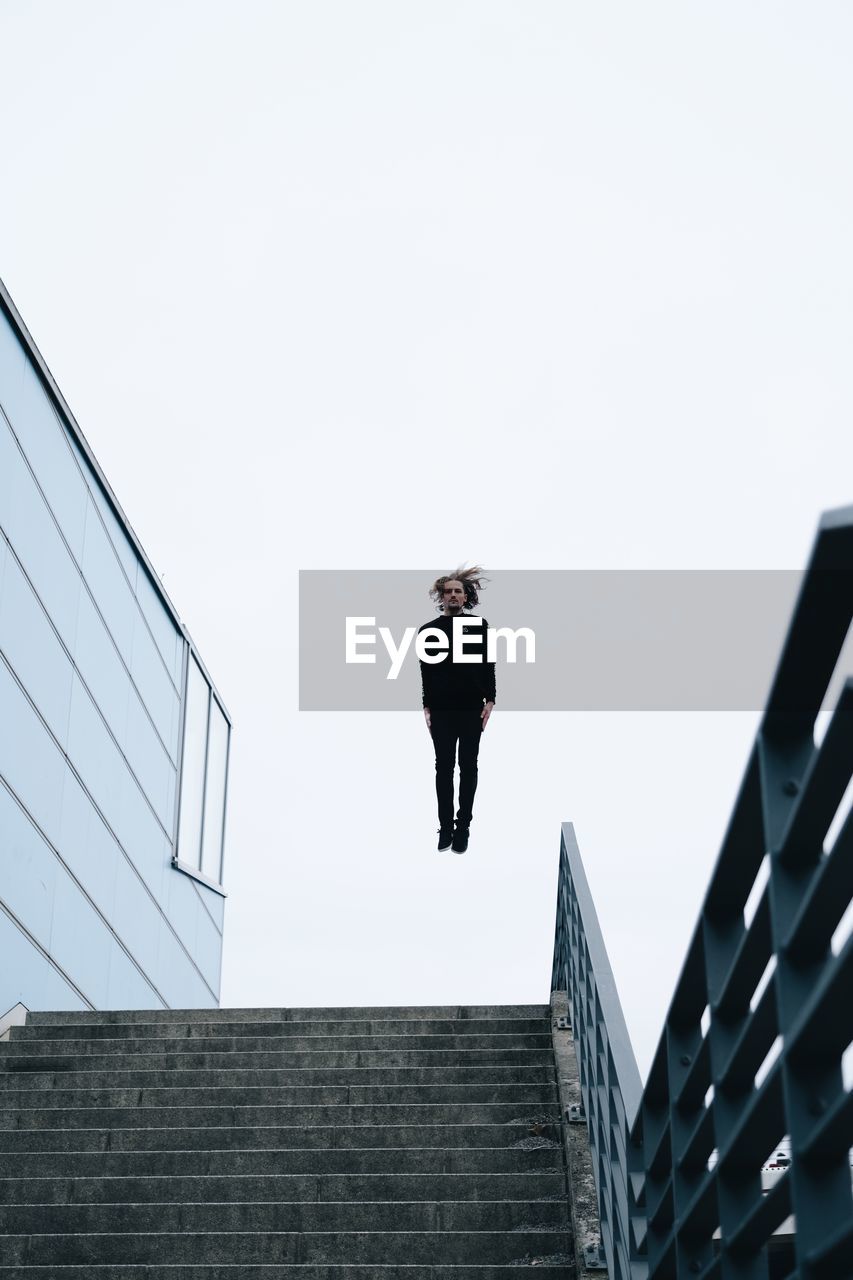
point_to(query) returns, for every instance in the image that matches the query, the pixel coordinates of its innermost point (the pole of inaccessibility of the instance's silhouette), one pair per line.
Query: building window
(204, 776)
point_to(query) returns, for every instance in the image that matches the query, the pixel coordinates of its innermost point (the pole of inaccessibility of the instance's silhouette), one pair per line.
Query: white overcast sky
(369, 285)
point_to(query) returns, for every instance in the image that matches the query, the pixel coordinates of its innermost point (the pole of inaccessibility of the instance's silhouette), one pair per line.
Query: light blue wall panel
(86, 845)
(28, 871)
(143, 838)
(136, 918)
(182, 907)
(42, 438)
(8, 452)
(121, 543)
(193, 926)
(33, 534)
(150, 761)
(95, 756)
(107, 777)
(155, 685)
(98, 663)
(90, 710)
(3, 555)
(107, 583)
(117, 698)
(208, 948)
(27, 978)
(15, 368)
(29, 759)
(80, 940)
(40, 891)
(215, 904)
(166, 636)
(180, 983)
(127, 989)
(33, 650)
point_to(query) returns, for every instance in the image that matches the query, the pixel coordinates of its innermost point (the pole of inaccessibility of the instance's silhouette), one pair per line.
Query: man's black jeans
(464, 726)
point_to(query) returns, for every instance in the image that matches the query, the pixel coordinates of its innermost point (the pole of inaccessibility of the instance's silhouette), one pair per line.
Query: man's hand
(487, 711)
(427, 718)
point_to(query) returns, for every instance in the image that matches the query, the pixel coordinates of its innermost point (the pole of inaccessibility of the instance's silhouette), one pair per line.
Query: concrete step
(326, 1075)
(142, 1060)
(462, 1013)
(345, 1215)
(179, 1137)
(558, 1266)
(362, 1247)
(226, 1188)
(363, 1027)
(123, 1046)
(194, 1088)
(104, 1164)
(465, 1073)
(134, 1108)
(336, 1143)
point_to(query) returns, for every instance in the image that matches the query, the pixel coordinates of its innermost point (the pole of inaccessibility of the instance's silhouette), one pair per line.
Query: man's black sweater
(449, 685)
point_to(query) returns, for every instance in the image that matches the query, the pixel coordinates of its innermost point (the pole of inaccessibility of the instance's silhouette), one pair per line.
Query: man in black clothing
(458, 698)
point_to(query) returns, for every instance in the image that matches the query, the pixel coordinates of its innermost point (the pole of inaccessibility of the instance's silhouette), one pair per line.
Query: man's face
(453, 596)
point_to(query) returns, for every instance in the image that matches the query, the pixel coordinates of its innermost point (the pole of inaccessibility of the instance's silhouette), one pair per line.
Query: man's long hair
(472, 580)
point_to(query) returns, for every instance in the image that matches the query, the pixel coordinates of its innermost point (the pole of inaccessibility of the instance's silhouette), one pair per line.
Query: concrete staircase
(319, 1143)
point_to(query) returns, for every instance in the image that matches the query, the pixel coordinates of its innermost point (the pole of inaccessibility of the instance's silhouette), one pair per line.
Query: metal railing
(751, 1050)
(609, 1079)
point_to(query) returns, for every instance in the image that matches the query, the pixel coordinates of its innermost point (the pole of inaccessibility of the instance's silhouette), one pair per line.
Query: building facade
(114, 743)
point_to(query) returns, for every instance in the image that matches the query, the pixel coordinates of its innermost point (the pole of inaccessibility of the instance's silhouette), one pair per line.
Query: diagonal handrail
(609, 1077)
(751, 1051)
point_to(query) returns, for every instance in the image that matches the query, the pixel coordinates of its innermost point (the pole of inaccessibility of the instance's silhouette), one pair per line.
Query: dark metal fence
(751, 1051)
(609, 1079)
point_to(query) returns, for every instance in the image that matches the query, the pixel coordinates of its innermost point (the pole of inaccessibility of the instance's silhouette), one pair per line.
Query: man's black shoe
(460, 840)
(445, 837)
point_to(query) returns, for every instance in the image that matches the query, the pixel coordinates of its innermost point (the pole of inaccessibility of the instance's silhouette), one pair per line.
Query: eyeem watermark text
(432, 644)
(606, 640)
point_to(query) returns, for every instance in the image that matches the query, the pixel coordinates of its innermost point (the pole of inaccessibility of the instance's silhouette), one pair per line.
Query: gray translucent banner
(617, 640)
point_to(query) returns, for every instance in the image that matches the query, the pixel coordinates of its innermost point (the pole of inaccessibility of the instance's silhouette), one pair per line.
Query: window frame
(190, 653)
